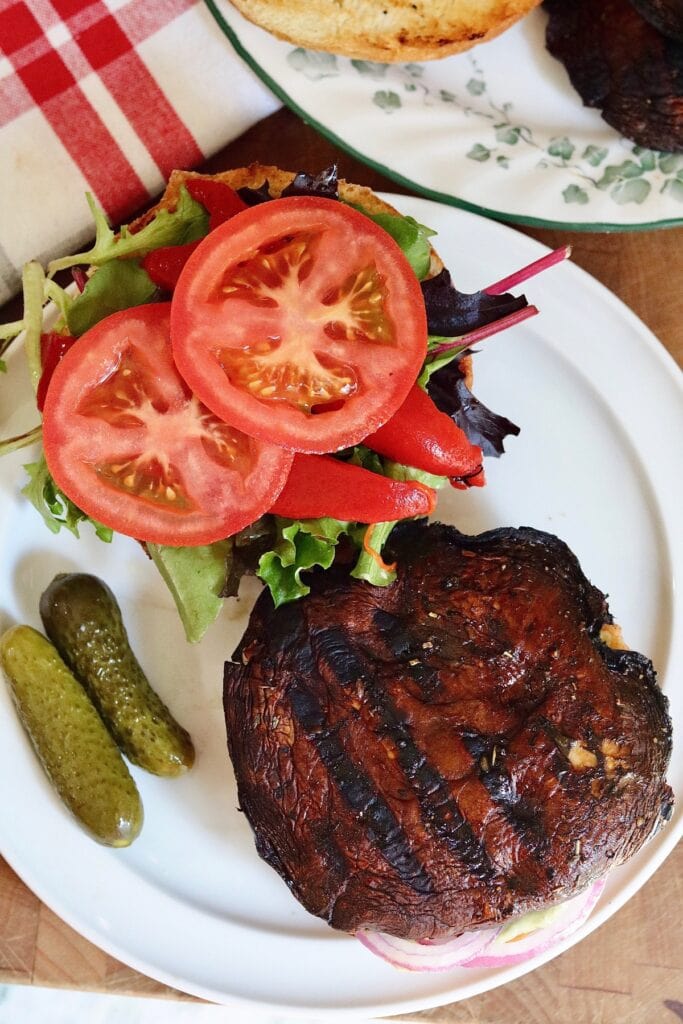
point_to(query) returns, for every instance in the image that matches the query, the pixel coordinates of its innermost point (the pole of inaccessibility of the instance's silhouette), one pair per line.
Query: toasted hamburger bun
(386, 30)
(255, 176)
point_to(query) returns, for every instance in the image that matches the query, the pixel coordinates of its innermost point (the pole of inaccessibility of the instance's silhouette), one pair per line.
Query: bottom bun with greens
(263, 371)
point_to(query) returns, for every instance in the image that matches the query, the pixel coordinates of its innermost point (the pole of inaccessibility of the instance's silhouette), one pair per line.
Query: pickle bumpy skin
(78, 754)
(83, 620)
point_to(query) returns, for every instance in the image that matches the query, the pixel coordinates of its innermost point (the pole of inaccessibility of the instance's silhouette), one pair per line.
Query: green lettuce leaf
(303, 544)
(119, 284)
(187, 223)
(247, 547)
(33, 279)
(300, 545)
(13, 444)
(367, 459)
(195, 576)
(61, 299)
(56, 509)
(397, 471)
(412, 237)
(9, 331)
(199, 578)
(432, 364)
(368, 568)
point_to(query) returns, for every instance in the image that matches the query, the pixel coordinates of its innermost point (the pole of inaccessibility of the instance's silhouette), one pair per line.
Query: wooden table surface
(628, 972)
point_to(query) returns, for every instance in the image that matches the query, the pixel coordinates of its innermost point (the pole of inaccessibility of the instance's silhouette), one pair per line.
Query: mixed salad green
(111, 277)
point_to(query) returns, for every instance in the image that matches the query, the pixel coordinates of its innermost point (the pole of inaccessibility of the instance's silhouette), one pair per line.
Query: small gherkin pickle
(82, 618)
(79, 756)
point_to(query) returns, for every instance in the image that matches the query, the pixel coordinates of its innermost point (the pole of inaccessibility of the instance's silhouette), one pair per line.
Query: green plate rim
(423, 190)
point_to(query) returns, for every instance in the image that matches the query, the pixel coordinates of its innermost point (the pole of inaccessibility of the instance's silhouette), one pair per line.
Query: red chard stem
(80, 277)
(467, 340)
(537, 267)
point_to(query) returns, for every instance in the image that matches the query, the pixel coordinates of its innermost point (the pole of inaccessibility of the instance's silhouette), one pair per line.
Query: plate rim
(661, 847)
(599, 916)
(423, 191)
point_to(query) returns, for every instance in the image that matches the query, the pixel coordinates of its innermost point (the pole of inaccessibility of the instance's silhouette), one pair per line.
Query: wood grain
(628, 972)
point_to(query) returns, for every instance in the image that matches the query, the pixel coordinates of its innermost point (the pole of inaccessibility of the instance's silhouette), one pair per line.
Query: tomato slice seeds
(300, 322)
(129, 443)
(296, 326)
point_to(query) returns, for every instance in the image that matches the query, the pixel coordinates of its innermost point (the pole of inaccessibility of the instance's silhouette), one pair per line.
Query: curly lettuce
(56, 509)
(117, 285)
(300, 545)
(280, 551)
(187, 223)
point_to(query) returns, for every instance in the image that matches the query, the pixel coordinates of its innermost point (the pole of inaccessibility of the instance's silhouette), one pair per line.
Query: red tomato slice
(301, 322)
(133, 448)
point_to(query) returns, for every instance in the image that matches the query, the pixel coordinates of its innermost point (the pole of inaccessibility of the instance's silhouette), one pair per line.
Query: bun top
(386, 30)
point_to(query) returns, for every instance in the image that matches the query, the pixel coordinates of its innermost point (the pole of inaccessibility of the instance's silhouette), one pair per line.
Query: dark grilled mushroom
(620, 63)
(450, 750)
(665, 15)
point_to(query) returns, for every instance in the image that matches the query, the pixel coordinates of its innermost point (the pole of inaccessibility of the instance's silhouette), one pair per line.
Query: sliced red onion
(502, 946)
(424, 956)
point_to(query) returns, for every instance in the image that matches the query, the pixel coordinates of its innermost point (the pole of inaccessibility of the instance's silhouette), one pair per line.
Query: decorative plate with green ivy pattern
(498, 130)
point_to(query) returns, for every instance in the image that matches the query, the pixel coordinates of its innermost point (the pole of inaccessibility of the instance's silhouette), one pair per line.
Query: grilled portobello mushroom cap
(452, 749)
(665, 15)
(619, 62)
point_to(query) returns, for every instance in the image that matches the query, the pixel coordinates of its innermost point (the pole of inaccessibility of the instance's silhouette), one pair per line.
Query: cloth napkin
(106, 96)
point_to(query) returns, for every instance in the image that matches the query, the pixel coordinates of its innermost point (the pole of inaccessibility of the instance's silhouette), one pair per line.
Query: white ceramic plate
(190, 903)
(498, 130)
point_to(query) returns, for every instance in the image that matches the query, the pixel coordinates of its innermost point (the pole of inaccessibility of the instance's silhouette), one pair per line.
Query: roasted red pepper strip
(220, 202)
(463, 483)
(165, 264)
(52, 348)
(320, 486)
(422, 436)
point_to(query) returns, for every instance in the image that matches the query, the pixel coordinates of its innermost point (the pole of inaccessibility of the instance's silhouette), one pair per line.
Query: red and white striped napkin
(106, 96)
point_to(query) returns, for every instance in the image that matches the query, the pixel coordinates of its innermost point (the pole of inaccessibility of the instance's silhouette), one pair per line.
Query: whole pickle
(83, 620)
(79, 756)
